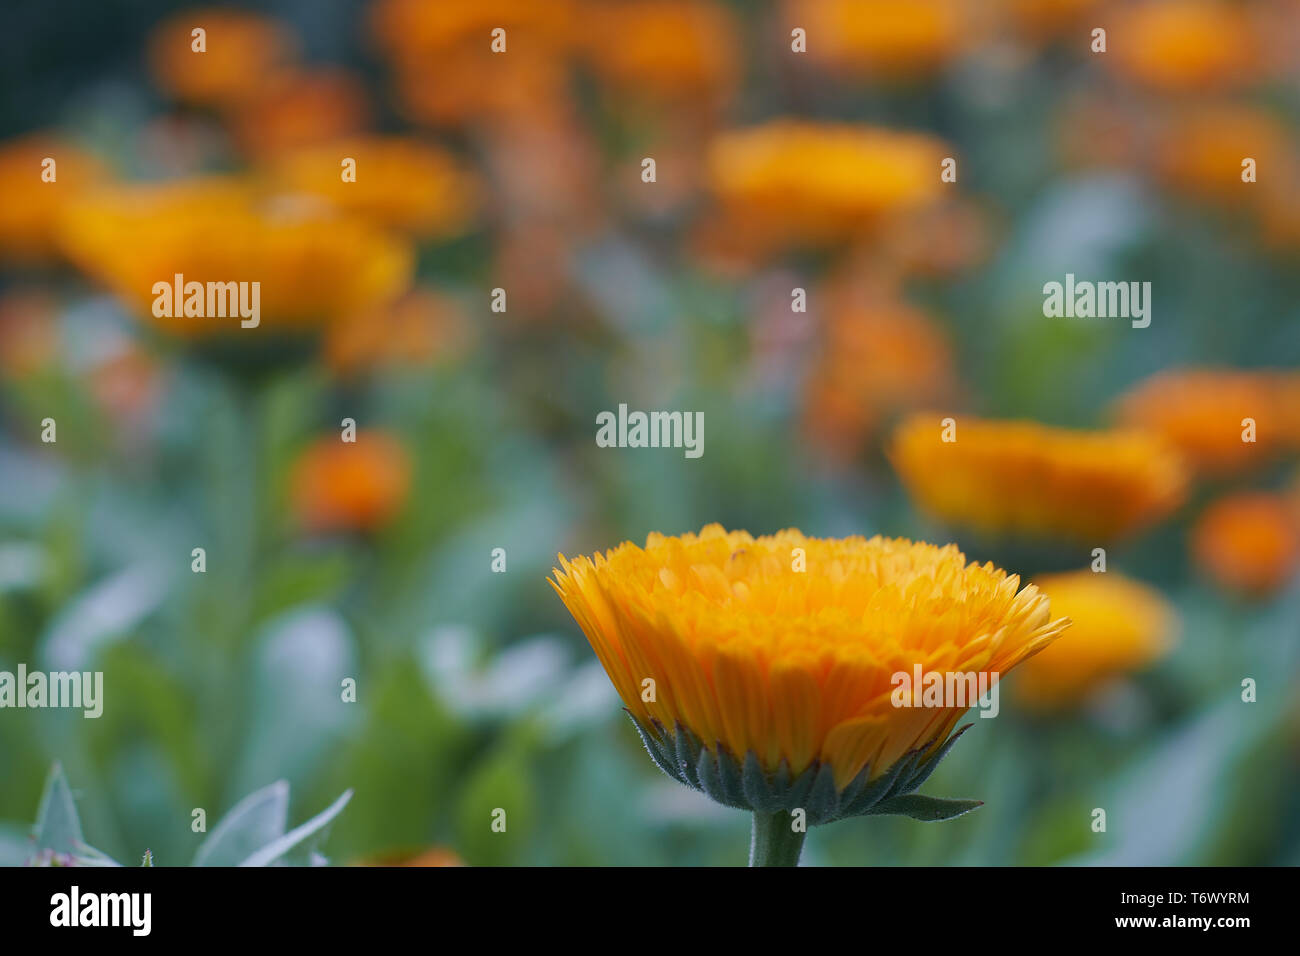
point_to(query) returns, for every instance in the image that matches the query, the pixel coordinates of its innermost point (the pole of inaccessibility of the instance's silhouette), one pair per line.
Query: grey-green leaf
(58, 827)
(251, 824)
(299, 835)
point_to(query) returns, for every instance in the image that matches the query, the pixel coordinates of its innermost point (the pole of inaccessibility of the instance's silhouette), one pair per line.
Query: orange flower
(877, 360)
(1203, 412)
(300, 108)
(1184, 45)
(1117, 626)
(350, 486)
(881, 38)
(241, 49)
(418, 328)
(1023, 478)
(412, 31)
(682, 52)
(403, 183)
(1247, 543)
(756, 657)
(1200, 152)
(793, 181)
(312, 266)
(31, 206)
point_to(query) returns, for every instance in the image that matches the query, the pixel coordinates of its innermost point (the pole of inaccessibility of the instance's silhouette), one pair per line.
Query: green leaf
(58, 827)
(920, 807)
(252, 823)
(297, 838)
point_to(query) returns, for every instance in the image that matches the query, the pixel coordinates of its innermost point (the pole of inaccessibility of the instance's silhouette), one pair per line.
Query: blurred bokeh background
(774, 170)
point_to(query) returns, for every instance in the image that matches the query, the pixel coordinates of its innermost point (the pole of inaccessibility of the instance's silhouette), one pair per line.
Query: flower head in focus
(1117, 626)
(751, 677)
(1022, 478)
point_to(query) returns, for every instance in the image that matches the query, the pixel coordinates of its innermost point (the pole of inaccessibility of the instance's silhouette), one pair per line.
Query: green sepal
(920, 807)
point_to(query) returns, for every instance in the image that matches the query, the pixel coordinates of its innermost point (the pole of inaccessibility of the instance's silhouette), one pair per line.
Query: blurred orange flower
(1204, 412)
(1119, 626)
(412, 31)
(683, 52)
(1200, 152)
(31, 205)
(1183, 45)
(240, 50)
(434, 856)
(418, 328)
(312, 265)
(882, 38)
(1248, 543)
(876, 360)
(794, 181)
(399, 182)
(299, 108)
(350, 486)
(1023, 478)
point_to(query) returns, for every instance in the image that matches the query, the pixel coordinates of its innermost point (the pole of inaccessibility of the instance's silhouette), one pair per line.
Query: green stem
(775, 841)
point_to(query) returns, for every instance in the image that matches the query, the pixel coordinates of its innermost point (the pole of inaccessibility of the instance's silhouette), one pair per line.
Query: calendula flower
(414, 30)
(1025, 479)
(399, 182)
(1184, 45)
(336, 485)
(299, 108)
(1117, 626)
(239, 50)
(1200, 151)
(679, 52)
(311, 264)
(1223, 421)
(882, 38)
(39, 175)
(763, 670)
(877, 359)
(800, 182)
(1247, 543)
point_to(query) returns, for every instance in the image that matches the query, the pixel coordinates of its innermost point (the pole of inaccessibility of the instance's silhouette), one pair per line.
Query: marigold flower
(1023, 478)
(682, 52)
(811, 183)
(1184, 45)
(748, 672)
(240, 50)
(1200, 150)
(882, 38)
(877, 360)
(312, 265)
(1117, 626)
(403, 183)
(1247, 543)
(1204, 413)
(350, 486)
(31, 206)
(300, 108)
